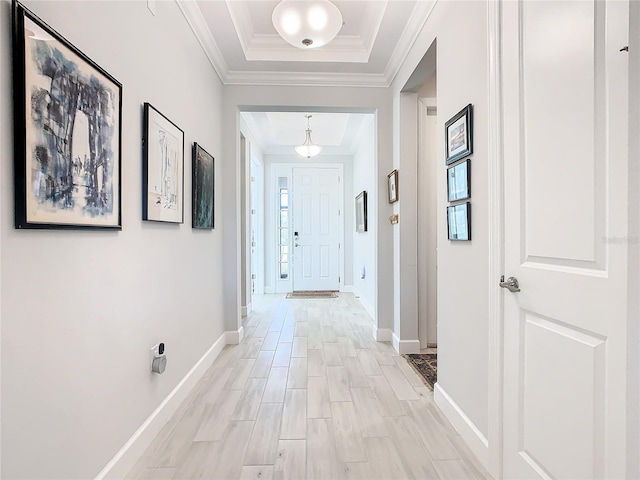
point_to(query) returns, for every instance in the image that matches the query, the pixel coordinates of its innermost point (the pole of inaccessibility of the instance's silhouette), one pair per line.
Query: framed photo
(163, 168)
(459, 221)
(67, 132)
(202, 188)
(459, 135)
(392, 186)
(361, 212)
(459, 181)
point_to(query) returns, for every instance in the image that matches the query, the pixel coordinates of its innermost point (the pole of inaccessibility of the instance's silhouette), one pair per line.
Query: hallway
(308, 394)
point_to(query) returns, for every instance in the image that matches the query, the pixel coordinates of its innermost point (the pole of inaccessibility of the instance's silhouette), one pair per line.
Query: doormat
(426, 364)
(313, 294)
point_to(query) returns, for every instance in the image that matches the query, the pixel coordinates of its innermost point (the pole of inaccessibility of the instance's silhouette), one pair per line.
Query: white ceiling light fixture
(308, 148)
(307, 23)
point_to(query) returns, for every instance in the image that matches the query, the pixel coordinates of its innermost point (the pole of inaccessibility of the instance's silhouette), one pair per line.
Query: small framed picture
(392, 186)
(459, 135)
(459, 221)
(459, 181)
(203, 180)
(163, 168)
(361, 212)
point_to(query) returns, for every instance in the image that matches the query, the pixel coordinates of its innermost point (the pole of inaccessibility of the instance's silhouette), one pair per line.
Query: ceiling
(243, 46)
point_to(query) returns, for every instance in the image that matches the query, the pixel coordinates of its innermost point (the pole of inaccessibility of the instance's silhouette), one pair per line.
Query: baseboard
(234, 338)
(473, 437)
(269, 290)
(346, 289)
(246, 311)
(367, 306)
(128, 455)
(381, 334)
(405, 346)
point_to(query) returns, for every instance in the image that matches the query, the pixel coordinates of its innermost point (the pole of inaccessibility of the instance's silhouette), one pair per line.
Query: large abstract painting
(203, 188)
(67, 132)
(163, 172)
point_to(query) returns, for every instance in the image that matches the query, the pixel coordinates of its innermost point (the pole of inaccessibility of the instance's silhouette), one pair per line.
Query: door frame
(278, 169)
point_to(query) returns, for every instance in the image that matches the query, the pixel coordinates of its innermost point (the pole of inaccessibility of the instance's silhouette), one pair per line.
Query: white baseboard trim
(234, 338)
(269, 290)
(473, 437)
(381, 334)
(128, 455)
(346, 289)
(246, 310)
(405, 346)
(368, 307)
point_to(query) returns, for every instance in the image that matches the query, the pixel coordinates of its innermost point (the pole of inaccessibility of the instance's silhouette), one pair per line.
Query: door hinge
(339, 279)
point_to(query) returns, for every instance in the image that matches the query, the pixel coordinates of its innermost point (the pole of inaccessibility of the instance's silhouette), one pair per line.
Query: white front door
(565, 155)
(316, 228)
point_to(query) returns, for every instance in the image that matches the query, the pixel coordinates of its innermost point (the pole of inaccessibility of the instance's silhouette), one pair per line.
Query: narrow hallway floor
(308, 394)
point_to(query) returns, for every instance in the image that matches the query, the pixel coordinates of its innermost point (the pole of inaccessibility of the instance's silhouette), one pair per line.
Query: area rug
(426, 364)
(313, 294)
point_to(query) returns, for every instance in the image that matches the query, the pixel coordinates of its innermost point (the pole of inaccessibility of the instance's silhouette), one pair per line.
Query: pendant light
(307, 23)
(308, 148)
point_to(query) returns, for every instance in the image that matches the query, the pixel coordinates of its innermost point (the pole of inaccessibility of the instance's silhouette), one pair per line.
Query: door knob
(511, 284)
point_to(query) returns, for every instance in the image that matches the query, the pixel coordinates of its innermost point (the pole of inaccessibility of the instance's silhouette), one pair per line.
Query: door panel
(316, 220)
(565, 146)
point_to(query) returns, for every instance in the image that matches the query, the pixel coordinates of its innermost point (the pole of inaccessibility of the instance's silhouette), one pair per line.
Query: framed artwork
(163, 168)
(202, 188)
(392, 186)
(459, 221)
(459, 181)
(459, 135)
(361, 212)
(67, 132)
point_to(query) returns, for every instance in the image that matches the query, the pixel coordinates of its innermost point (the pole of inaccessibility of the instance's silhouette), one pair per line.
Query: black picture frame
(67, 132)
(459, 181)
(202, 189)
(361, 212)
(459, 222)
(392, 186)
(162, 168)
(458, 135)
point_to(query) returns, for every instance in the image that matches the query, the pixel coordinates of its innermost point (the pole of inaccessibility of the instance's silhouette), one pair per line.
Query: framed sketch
(163, 168)
(459, 221)
(67, 133)
(459, 135)
(459, 181)
(361, 212)
(202, 188)
(392, 186)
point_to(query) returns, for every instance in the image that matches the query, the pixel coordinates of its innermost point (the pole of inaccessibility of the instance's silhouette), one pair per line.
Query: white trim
(405, 346)
(132, 450)
(234, 338)
(472, 436)
(367, 306)
(495, 162)
(346, 289)
(269, 290)
(382, 334)
(246, 311)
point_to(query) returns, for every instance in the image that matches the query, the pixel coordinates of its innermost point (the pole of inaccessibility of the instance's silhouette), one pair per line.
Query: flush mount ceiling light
(308, 148)
(307, 23)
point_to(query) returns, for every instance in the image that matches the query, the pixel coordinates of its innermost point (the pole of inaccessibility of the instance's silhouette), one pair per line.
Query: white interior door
(566, 122)
(316, 228)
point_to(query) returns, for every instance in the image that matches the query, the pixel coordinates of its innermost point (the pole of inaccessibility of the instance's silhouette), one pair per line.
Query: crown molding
(198, 24)
(307, 79)
(421, 13)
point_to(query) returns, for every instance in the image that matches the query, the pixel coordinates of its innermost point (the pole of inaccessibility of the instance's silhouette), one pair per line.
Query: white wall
(287, 162)
(462, 266)
(81, 309)
(364, 244)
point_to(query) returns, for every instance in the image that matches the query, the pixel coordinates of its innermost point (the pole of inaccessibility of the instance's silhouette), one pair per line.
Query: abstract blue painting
(68, 151)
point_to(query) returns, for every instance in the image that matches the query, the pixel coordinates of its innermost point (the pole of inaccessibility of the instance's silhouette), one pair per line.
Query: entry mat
(313, 294)
(426, 364)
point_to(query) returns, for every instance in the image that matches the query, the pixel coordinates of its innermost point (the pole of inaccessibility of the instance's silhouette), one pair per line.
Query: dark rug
(426, 364)
(314, 294)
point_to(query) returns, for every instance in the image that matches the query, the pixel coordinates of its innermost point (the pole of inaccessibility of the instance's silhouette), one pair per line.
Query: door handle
(511, 284)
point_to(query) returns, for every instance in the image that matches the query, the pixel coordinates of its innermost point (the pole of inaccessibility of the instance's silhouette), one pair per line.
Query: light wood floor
(308, 394)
